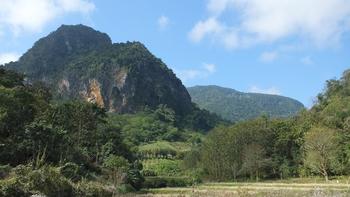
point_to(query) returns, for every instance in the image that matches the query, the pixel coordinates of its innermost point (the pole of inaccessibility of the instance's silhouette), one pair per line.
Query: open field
(260, 189)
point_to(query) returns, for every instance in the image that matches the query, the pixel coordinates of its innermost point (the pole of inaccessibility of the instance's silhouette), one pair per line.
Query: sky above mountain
(285, 47)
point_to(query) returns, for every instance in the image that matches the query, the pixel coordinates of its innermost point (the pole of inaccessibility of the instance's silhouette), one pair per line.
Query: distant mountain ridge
(236, 106)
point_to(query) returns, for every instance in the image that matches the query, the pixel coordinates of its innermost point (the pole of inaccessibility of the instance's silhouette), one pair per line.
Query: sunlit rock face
(78, 62)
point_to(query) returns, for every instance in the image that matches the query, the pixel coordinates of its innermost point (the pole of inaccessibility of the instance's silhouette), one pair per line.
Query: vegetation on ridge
(315, 142)
(66, 146)
(238, 106)
(78, 62)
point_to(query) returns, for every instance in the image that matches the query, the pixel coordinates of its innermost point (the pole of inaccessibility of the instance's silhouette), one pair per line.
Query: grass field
(291, 188)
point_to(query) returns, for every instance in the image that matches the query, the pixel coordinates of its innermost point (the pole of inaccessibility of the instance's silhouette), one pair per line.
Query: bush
(91, 189)
(22, 170)
(4, 171)
(135, 178)
(196, 175)
(158, 182)
(13, 188)
(49, 182)
(154, 182)
(174, 135)
(163, 167)
(125, 188)
(114, 162)
(118, 167)
(46, 180)
(148, 172)
(71, 171)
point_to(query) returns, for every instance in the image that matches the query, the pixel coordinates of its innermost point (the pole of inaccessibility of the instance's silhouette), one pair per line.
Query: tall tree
(254, 160)
(321, 147)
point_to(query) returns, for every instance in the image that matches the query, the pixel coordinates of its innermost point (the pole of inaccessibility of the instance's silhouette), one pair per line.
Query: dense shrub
(163, 167)
(13, 188)
(117, 169)
(148, 172)
(50, 182)
(158, 182)
(21, 172)
(125, 188)
(4, 171)
(135, 178)
(71, 171)
(92, 189)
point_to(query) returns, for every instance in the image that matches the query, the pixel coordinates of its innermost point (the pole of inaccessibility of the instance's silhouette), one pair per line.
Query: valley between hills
(83, 116)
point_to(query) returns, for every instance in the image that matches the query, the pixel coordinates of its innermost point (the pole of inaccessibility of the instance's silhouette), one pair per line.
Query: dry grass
(262, 189)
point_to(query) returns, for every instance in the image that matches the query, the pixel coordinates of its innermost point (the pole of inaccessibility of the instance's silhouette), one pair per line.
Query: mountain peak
(78, 62)
(82, 30)
(52, 52)
(74, 39)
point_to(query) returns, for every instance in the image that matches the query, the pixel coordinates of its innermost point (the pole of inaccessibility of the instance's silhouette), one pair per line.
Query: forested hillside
(78, 62)
(53, 146)
(75, 148)
(314, 142)
(236, 106)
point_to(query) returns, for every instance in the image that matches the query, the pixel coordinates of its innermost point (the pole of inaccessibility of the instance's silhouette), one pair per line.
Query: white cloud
(8, 57)
(33, 15)
(268, 56)
(163, 22)
(211, 68)
(307, 60)
(188, 74)
(191, 74)
(217, 6)
(216, 30)
(320, 22)
(271, 90)
(82, 6)
(202, 28)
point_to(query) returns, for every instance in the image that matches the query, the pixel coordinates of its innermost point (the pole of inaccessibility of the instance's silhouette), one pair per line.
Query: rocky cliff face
(78, 62)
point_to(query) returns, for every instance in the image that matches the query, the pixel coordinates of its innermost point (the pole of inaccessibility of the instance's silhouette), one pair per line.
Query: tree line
(315, 142)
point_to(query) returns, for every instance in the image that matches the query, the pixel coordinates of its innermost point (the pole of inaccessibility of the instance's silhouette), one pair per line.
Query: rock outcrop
(78, 62)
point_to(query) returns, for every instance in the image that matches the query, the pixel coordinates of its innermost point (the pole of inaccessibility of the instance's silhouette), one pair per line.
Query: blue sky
(286, 47)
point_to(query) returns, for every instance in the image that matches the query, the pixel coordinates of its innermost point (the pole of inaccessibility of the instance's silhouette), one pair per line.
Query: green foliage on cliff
(237, 106)
(128, 76)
